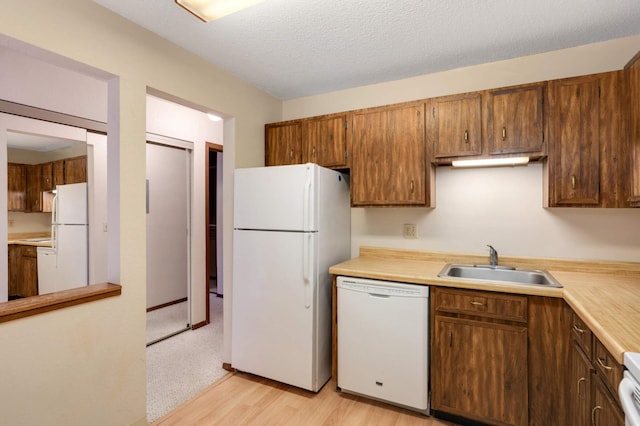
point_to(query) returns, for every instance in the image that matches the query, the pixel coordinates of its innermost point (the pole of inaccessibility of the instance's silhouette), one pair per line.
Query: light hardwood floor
(244, 399)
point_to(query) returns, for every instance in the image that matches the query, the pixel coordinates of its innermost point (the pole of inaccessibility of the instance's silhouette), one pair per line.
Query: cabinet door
(34, 199)
(579, 383)
(458, 125)
(327, 141)
(17, 187)
(605, 410)
(58, 173)
(14, 266)
(574, 159)
(389, 157)
(46, 177)
(633, 74)
(28, 282)
(75, 170)
(515, 120)
(480, 370)
(283, 144)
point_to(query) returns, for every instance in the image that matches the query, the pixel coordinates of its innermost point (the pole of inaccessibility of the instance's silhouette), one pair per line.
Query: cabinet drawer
(29, 251)
(483, 304)
(606, 366)
(581, 333)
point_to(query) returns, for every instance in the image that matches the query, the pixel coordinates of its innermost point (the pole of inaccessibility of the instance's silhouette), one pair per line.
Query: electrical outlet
(410, 231)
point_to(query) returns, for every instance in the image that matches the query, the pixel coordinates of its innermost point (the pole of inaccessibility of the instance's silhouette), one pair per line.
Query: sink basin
(505, 274)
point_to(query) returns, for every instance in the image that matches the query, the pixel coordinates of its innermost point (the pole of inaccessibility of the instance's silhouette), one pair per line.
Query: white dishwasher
(383, 341)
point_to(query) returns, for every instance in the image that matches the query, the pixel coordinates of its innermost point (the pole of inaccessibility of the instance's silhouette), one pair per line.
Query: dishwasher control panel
(382, 288)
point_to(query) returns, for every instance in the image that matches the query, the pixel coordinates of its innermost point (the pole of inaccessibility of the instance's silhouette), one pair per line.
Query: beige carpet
(180, 367)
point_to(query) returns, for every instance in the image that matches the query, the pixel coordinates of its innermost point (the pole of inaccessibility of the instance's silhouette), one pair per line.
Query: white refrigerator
(65, 264)
(291, 223)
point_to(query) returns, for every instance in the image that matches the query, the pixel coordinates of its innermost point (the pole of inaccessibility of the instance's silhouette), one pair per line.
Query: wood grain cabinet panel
(480, 370)
(605, 410)
(586, 142)
(23, 271)
(479, 364)
(16, 188)
(46, 177)
(34, 195)
(579, 384)
(283, 144)
(515, 119)
(75, 169)
(389, 164)
(457, 125)
(326, 140)
(633, 74)
(57, 173)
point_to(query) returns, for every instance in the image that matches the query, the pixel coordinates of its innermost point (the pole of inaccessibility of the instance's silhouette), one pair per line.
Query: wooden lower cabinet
(592, 380)
(479, 362)
(23, 270)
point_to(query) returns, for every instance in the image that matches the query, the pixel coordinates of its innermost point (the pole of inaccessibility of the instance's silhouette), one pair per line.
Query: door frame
(209, 148)
(188, 147)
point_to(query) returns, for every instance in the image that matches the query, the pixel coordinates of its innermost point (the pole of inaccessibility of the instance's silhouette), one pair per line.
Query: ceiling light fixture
(208, 10)
(214, 117)
(492, 162)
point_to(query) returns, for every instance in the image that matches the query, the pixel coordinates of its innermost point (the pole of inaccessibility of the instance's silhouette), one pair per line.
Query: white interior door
(167, 224)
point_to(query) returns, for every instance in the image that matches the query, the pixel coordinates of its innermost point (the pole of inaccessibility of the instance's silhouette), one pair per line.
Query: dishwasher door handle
(379, 296)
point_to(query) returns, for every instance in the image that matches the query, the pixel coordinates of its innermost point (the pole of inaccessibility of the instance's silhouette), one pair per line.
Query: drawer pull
(603, 365)
(477, 303)
(593, 414)
(466, 136)
(504, 133)
(578, 329)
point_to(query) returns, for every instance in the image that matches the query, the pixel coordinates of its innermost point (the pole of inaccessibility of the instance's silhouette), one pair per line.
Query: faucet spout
(493, 256)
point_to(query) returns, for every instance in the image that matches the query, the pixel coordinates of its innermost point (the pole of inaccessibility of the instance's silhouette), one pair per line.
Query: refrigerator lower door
(275, 310)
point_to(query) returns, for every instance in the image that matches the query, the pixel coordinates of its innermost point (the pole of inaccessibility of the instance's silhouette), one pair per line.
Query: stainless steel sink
(500, 273)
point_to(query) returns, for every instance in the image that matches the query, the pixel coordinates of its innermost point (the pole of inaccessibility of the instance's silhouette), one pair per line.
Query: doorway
(215, 286)
(168, 240)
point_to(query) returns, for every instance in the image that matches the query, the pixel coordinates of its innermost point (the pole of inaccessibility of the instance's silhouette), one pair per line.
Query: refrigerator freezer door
(276, 198)
(275, 327)
(71, 204)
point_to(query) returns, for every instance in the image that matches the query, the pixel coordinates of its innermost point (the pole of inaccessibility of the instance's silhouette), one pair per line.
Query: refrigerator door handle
(306, 199)
(308, 269)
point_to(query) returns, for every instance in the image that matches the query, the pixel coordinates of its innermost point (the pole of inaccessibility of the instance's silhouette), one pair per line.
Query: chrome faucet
(493, 256)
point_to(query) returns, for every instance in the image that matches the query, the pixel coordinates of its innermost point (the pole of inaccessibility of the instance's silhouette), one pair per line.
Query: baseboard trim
(227, 366)
(164, 305)
(198, 325)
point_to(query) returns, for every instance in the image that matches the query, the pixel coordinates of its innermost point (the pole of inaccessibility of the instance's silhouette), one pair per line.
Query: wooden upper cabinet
(389, 164)
(34, 195)
(586, 141)
(58, 173)
(457, 123)
(515, 119)
(46, 177)
(283, 144)
(633, 75)
(75, 170)
(17, 187)
(326, 140)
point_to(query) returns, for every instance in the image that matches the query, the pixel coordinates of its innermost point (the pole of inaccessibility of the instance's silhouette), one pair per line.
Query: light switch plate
(410, 231)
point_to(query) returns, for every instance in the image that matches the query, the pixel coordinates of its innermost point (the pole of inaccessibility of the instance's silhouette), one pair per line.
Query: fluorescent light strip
(491, 162)
(209, 10)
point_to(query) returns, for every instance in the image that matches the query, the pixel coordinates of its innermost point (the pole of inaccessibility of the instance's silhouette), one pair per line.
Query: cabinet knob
(573, 181)
(411, 186)
(466, 136)
(504, 133)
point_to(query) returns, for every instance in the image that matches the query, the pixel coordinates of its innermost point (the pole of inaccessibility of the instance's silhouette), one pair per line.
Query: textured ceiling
(294, 48)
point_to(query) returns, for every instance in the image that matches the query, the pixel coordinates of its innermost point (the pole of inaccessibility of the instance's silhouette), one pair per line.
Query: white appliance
(291, 224)
(629, 389)
(64, 265)
(383, 341)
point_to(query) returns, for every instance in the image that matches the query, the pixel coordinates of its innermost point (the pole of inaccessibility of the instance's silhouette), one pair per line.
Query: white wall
(502, 207)
(96, 351)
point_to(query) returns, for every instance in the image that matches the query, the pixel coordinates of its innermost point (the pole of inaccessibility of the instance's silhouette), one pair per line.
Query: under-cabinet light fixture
(492, 162)
(209, 10)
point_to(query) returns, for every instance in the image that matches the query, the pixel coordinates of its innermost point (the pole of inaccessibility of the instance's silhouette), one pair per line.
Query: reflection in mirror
(47, 214)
